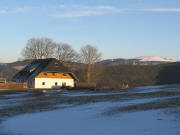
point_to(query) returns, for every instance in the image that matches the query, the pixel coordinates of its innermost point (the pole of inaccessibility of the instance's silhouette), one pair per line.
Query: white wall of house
(50, 82)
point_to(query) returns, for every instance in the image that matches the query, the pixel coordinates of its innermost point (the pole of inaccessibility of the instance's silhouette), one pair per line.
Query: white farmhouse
(46, 73)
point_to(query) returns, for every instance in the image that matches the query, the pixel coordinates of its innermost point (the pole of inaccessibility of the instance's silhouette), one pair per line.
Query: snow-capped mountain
(143, 60)
(154, 58)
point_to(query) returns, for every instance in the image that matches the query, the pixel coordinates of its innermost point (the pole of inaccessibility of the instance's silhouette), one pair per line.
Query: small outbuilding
(46, 73)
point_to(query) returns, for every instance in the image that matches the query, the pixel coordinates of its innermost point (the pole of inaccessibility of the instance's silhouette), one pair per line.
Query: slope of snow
(153, 58)
(84, 120)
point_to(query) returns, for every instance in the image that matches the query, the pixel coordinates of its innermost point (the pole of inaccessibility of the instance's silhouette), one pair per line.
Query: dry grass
(86, 85)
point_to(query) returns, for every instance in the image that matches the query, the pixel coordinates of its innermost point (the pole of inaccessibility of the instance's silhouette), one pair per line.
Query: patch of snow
(83, 120)
(154, 58)
(89, 94)
(158, 88)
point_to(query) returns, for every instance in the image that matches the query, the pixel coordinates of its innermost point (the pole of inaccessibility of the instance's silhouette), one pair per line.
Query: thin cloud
(15, 10)
(3, 11)
(78, 14)
(105, 7)
(22, 9)
(76, 11)
(76, 6)
(109, 8)
(62, 6)
(163, 9)
(79, 6)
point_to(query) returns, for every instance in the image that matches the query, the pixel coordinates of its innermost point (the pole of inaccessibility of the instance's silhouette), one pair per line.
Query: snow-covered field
(141, 111)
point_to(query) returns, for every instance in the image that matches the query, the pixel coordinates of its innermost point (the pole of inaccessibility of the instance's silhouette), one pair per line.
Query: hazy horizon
(118, 28)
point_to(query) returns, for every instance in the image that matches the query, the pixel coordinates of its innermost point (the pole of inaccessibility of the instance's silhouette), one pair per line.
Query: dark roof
(38, 66)
(55, 66)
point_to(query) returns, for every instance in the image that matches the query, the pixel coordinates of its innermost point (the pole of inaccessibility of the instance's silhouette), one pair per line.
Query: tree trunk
(89, 73)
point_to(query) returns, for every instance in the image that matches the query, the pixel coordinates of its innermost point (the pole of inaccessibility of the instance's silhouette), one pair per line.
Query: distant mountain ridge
(143, 60)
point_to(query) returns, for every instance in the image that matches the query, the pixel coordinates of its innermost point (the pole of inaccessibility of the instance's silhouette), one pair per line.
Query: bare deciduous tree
(90, 56)
(65, 53)
(38, 48)
(97, 71)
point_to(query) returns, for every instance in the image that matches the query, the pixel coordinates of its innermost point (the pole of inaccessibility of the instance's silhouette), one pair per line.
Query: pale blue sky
(119, 28)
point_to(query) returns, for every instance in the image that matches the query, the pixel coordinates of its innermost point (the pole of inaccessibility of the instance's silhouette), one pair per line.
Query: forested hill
(114, 77)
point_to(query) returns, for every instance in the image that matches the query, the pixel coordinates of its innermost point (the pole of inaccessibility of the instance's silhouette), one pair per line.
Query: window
(45, 74)
(43, 83)
(64, 84)
(56, 83)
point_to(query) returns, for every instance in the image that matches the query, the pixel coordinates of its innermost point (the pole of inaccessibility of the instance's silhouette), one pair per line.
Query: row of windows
(43, 83)
(45, 74)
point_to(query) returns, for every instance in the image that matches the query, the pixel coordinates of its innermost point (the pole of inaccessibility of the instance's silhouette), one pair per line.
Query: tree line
(40, 48)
